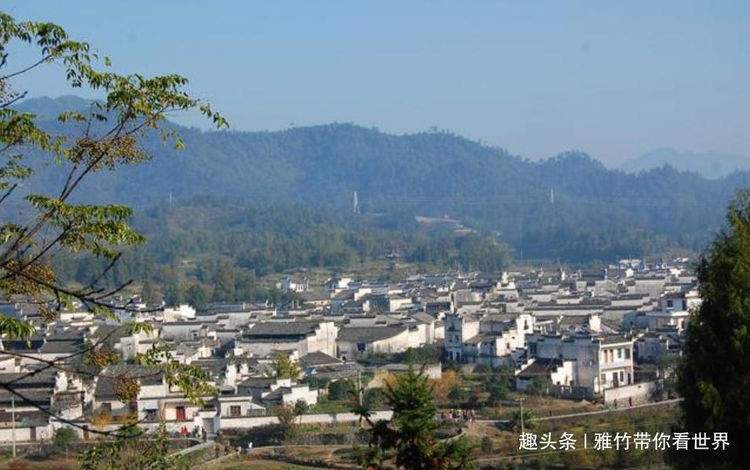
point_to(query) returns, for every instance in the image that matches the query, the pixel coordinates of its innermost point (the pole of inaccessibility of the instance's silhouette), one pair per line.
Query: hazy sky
(615, 78)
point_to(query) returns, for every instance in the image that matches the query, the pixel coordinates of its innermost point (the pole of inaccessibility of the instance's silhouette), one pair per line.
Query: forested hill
(567, 207)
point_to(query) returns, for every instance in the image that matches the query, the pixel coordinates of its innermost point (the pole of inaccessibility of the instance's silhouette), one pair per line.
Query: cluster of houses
(604, 334)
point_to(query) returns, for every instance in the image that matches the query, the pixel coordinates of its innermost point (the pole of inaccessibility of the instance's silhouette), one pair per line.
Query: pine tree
(714, 377)
(409, 437)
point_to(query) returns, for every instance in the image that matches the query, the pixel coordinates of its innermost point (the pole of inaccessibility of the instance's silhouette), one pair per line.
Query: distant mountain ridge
(707, 164)
(568, 207)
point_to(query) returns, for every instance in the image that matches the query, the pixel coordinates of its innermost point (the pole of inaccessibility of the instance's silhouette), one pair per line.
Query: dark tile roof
(40, 397)
(61, 347)
(314, 295)
(476, 339)
(105, 384)
(33, 344)
(317, 358)
(43, 379)
(613, 339)
(257, 382)
(274, 398)
(369, 334)
(540, 368)
(24, 419)
(423, 317)
(281, 330)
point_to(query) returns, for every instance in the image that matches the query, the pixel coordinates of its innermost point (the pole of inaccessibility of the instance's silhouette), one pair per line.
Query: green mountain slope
(568, 207)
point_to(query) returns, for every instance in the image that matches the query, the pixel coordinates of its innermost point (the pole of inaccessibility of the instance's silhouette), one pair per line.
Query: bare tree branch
(20, 96)
(26, 69)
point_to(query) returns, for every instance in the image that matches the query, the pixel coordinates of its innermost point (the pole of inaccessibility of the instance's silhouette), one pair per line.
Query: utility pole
(355, 203)
(520, 402)
(360, 396)
(13, 421)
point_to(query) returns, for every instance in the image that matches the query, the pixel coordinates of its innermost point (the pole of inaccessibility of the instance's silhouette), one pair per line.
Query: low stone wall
(251, 422)
(175, 426)
(636, 393)
(41, 433)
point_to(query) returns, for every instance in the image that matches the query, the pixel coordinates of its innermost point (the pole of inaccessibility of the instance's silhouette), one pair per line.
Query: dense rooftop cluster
(601, 334)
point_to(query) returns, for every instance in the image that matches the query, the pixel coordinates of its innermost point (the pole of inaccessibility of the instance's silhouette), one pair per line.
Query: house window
(670, 303)
(619, 353)
(361, 347)
(627, 353)
(180, 411)
(133, 406)
(152, 415)
(604, 378)
(622, 376)
(235, 411)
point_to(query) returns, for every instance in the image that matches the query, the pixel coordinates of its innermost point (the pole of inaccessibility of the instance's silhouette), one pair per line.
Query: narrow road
(586, 413)
(191, 449)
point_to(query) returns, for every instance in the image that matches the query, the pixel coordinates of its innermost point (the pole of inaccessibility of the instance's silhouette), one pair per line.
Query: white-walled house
(289, 284)
(275, 391)
(458, 328)
(600, 362)
(359, 341)
(552, 371)
(178, 313)
(501, 340)
(492, 339)
(674, 311)
(234, 405)
(654, 346)
(147, 405)
(264, 338)
(156, 400)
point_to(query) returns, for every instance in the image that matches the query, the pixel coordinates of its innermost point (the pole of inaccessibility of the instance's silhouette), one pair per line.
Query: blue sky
(615, 79)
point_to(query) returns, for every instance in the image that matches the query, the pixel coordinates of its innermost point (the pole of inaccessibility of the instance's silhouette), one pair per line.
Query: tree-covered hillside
(209, 248)
(708, 164)
(569, 207)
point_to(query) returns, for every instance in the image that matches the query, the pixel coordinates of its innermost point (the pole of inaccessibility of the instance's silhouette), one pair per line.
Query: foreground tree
(133, 449)
(409, 437)
(63, 439)
(714, 377)
(287, 416)
(101, 138)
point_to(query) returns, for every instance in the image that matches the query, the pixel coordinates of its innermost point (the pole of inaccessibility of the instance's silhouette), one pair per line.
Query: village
(609, 336)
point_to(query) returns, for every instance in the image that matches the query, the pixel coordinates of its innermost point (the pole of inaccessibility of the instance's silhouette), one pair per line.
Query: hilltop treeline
(218, 247)
(569, 207)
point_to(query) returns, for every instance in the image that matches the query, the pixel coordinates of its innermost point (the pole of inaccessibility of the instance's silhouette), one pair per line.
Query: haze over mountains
(707, 164)
(570, 207)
